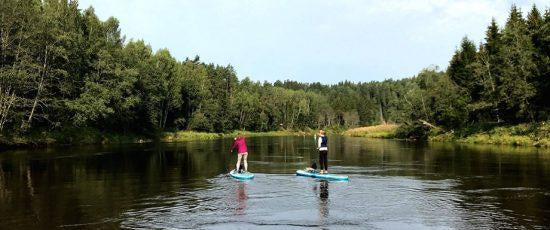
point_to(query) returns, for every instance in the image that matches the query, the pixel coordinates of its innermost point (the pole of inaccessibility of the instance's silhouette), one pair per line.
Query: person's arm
(319, 141)
(233, 146)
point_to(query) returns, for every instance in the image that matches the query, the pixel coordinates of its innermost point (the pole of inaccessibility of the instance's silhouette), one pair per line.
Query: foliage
(532, 134)
(62, 69)
(415, 131)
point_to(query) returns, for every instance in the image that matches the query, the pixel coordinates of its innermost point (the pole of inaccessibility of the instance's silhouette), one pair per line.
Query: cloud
(407, 7)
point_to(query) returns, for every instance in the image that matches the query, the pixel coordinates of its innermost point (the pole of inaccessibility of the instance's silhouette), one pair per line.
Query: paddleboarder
(242, 151)
(323, 151)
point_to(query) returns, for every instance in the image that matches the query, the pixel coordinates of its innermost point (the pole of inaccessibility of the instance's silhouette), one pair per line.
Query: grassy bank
(376, 131)
(532, 134)
(68, 136)
(193, 135)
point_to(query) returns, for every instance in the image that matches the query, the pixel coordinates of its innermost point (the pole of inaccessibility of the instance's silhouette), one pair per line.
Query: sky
(325, 41)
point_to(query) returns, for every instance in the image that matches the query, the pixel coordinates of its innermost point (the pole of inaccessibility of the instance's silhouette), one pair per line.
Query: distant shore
(193, 135)
(92, 136)
(527, 134)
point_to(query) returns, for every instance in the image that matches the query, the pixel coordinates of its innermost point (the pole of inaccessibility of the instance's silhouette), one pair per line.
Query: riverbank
(68, 136)
(529, 134)
(92, 136)
(385, 131)
(193, 135)
(532, 134)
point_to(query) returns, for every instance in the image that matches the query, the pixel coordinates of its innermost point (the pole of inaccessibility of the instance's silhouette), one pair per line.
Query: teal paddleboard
(241, 176)
(326, 176)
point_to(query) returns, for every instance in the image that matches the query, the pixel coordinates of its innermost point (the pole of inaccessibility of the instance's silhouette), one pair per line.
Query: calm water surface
(393, 185)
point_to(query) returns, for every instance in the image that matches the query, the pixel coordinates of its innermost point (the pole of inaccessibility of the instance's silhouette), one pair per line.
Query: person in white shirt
(323, 151)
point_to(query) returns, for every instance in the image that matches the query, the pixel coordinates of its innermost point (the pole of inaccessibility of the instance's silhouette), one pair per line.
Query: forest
(62, 68)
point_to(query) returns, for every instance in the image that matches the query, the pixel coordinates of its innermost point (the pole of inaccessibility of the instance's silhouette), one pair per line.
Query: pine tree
(514, 86)
(534, 23)
(488, 69)
(539, 31)
(534, 29)
(493, 39)
(460, 68)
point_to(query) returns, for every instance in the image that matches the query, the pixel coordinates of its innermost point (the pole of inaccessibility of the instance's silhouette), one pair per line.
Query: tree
(435, 98)
(163, 85)
(195, 92)
(63, 68)
(488, 70)
(107, 85)
(460, 68)
(537, 29)
(222, 84)
(515, 88)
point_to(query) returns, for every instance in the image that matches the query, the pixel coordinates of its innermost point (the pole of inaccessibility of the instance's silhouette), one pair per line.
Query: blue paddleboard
(241, 176)
(327, 176)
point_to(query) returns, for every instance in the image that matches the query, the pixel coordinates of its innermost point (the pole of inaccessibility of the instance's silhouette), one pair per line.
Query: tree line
(62, 67)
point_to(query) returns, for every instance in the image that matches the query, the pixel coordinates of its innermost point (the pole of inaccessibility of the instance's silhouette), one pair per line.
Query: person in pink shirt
(242, 151)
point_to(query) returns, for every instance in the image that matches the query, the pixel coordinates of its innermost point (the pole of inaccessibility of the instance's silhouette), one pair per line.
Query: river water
(393, 185)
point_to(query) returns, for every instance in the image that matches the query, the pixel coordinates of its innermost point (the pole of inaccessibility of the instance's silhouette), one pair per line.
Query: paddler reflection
(323, 199)
(242, 197)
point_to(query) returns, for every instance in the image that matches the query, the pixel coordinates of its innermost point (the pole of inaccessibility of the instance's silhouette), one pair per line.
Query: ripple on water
(277, 200)
(176, 186)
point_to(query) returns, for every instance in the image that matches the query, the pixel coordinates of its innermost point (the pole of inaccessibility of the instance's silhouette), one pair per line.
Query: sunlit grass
(193, 135)
(187, 135)
(93, 136)
(376, 131)
(270, 133)
(536, 134)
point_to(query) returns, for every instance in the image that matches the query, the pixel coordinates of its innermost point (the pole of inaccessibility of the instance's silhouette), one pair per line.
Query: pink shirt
(240, 145)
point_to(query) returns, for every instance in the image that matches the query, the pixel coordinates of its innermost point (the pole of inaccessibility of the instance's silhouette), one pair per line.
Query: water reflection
(242, 197)
(184, 185)
(323, 199)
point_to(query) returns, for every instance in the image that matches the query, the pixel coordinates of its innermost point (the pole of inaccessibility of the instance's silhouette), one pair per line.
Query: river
(393, 185)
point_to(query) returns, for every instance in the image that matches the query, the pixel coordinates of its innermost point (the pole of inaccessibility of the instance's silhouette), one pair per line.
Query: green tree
(163, 85)
(435, 98)
(515, 88)
(488, 70)
(195, 93)
(461, 70)
(537, 29)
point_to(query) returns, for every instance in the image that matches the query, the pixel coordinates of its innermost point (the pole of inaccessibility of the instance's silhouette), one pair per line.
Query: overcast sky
(310, 40)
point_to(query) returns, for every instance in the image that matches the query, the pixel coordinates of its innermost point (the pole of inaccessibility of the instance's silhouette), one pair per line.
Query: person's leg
(321, 161)
(323, 156)
(245, 163)
(238, 162)
(326, 160)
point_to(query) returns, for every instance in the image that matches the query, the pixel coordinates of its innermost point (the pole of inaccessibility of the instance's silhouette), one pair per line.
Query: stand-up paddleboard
(326, 176)
(241, 176)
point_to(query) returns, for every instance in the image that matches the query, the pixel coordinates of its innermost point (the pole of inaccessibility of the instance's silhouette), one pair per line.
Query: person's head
(321, 132)
(239, 135)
